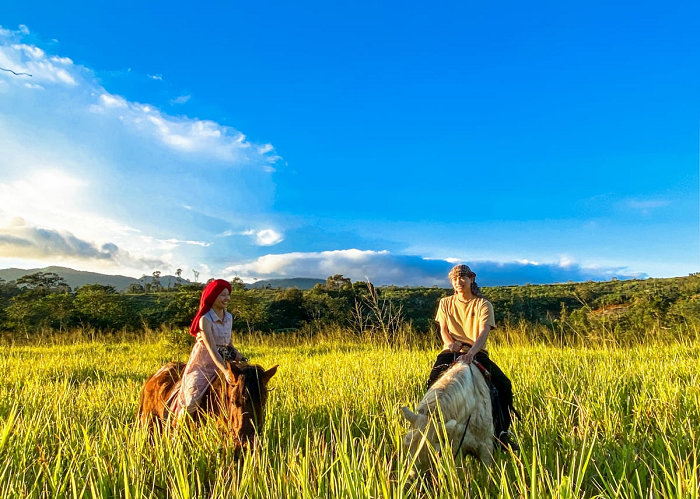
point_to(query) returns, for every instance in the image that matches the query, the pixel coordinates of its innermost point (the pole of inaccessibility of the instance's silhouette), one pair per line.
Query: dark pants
(498, 378)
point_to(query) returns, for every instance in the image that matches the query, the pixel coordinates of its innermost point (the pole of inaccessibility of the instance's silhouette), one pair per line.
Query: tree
(287, 310)
(19, 312)
(155, 281)
(248, 310)
(338, 282)
(101, 306)
(182, 307)
(237, 284)
(44, 283)
(135, 289)
(57, 309)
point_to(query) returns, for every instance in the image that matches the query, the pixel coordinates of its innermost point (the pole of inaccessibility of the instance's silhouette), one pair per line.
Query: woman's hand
(230, 378)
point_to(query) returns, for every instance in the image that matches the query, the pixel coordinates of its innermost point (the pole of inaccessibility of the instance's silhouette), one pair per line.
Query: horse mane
(453, 392)
(252, 387)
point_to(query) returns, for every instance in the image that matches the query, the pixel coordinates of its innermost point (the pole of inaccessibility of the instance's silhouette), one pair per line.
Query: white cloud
(62, 60)
(22, 58)
(156, 77)
(108, 100)
(181, 99)
(645, 205)
(178, 242)
(30, 51)
(384, 267)
(203, 138)
(264, 237)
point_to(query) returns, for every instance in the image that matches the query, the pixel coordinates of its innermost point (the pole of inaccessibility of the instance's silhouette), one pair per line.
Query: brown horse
(241, 404)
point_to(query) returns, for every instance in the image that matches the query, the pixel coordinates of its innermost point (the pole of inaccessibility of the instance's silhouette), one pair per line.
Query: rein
(461, 441)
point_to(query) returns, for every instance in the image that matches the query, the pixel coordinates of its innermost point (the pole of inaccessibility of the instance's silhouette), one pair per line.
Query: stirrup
(507, 439)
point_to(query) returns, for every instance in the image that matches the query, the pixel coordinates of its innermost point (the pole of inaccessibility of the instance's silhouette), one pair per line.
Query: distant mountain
(77, 278)
(302, 283)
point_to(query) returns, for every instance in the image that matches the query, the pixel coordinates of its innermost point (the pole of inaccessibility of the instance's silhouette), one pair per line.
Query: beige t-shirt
(466, 320)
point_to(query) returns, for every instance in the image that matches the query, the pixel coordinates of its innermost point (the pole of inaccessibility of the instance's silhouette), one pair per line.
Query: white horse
(460, 398)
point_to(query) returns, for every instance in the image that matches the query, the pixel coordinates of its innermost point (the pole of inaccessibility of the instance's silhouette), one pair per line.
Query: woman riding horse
(212, 327)
(210, 383)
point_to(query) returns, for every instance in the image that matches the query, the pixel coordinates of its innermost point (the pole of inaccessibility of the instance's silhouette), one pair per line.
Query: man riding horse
(466, 318)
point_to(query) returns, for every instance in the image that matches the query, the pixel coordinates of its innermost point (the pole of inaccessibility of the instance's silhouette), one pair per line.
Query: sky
(538, 142)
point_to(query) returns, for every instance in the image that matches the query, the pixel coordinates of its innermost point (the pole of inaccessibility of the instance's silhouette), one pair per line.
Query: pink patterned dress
(201, 369)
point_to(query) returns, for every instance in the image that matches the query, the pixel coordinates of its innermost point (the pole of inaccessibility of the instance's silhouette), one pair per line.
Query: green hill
(77, 278)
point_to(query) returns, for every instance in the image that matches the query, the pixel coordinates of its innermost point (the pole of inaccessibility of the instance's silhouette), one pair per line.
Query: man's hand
(455, 346)
(467, 358)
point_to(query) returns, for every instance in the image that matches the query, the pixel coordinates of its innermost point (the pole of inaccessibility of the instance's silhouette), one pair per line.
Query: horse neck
(449, 392)
(246, 409)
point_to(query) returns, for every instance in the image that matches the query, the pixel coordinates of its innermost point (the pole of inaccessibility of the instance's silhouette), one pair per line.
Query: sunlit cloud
(90, 177)
(19, 240)
(264, 237)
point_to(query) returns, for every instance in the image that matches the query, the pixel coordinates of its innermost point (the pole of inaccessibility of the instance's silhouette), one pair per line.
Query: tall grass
(598, 421)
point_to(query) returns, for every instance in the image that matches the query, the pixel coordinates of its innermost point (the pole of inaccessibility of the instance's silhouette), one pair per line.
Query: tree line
(44, 301)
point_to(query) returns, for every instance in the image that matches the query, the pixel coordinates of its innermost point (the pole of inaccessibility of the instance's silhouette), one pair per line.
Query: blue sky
(538, 142)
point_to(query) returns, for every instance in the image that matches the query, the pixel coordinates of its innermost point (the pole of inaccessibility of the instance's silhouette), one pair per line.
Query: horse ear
(269, 374)
(409, 414)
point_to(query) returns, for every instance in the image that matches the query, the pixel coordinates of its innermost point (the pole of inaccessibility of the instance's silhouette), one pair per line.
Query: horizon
(384, 142)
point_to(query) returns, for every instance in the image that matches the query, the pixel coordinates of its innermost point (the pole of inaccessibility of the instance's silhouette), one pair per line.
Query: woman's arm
(208, 340)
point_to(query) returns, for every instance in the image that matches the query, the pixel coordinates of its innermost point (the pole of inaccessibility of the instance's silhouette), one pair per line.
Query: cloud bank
(386, 268)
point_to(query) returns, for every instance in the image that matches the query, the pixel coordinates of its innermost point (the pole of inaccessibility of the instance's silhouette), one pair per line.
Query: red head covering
(209, 296)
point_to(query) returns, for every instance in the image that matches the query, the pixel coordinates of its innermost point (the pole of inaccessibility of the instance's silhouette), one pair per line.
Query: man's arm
(478, 344)
(448, 341)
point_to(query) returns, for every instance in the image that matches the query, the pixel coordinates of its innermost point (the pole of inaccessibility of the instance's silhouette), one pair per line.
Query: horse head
(244, 400)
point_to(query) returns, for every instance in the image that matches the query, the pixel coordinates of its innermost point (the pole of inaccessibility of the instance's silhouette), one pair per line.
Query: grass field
(606, 422)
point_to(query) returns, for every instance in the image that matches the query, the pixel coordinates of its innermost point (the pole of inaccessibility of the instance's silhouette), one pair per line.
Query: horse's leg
(485, 453)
